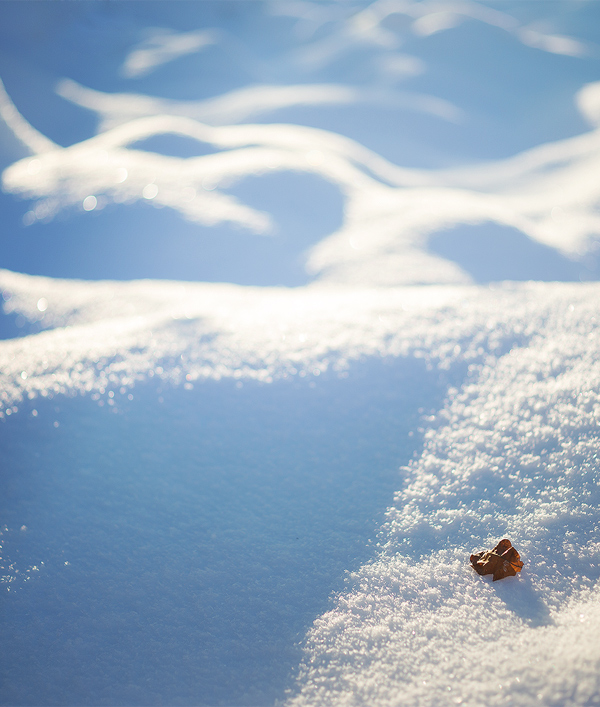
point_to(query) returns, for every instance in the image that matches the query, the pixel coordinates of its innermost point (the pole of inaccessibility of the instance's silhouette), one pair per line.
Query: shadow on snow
(490, 252)
(203, 534)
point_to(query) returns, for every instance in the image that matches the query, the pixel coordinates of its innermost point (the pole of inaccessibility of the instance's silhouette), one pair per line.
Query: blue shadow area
(490, 252)
(204, 531)
(139, 241)
(174, 146)
(521, 598)
(14, 326)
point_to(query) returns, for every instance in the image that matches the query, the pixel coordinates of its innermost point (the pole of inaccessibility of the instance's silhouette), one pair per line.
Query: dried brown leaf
(502, 561)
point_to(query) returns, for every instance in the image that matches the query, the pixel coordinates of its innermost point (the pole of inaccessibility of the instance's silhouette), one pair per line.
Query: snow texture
(512, 453)
(200, 464)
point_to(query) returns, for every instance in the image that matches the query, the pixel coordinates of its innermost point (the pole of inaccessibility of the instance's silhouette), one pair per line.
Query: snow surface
(390, 213)
(511, 452)
(235, 495)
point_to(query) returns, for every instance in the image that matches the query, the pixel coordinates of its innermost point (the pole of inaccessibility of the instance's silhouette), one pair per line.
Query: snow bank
(511, 451)
(547, 193)
(513, 454)
(123, 331)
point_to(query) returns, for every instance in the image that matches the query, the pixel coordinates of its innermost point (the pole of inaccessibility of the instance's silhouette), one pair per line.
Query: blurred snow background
(299, 311)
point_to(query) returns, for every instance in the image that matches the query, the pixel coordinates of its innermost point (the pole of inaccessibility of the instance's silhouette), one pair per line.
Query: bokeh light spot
(89, 203)
(150, 191)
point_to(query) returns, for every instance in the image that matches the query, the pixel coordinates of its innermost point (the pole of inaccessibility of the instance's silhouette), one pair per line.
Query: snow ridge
(514, 454)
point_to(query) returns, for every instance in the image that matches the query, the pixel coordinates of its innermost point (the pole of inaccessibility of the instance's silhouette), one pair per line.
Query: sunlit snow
(220, 493)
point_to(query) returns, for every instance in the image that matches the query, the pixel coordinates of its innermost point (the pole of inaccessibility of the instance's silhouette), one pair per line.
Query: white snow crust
(513, 450)
(513, 453)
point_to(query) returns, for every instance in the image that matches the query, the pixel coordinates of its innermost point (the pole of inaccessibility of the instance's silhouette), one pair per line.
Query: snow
(546, 193)
(216, 493)
(513, 454)
(161, 46)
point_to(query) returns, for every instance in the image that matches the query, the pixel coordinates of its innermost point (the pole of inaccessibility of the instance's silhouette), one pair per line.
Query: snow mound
(513, 454)
(391, 213)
